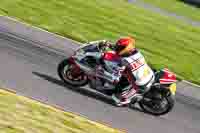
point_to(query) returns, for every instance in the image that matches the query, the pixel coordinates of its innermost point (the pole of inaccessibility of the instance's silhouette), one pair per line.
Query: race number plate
(173, 88)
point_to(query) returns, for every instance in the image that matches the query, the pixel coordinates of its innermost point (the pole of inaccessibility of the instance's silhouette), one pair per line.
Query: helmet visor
(119, 48)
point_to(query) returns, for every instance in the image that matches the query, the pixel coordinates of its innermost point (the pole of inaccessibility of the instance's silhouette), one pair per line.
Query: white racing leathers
(143, 74)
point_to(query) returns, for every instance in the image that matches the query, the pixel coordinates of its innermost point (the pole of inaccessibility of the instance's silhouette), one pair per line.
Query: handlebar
(104, 45)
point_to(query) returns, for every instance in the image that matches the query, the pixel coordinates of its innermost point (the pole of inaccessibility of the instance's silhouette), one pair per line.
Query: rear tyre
(154, 107)
(65, 71)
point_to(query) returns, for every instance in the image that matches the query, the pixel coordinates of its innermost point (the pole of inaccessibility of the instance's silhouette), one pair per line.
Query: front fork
(75, 70)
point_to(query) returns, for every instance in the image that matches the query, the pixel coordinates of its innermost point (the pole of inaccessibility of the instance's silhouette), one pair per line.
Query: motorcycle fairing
(111, 56)
(167, 77)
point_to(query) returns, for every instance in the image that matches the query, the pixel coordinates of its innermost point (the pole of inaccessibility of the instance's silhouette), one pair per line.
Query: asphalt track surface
(31, 71)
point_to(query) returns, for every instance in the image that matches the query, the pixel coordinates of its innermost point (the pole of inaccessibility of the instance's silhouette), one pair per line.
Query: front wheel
(70, 74)
(158, 106)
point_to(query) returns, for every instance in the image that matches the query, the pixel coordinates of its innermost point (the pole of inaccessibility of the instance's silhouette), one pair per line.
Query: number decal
(136, 64)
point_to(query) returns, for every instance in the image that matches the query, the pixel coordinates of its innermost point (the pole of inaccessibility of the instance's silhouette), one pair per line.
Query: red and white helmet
(125, 45)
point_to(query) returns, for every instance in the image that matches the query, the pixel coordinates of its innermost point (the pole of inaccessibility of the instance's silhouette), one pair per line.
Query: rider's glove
(102, 43)
(105, 43)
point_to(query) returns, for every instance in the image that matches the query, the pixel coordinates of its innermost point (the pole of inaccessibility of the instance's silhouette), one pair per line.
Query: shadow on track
(82, 90)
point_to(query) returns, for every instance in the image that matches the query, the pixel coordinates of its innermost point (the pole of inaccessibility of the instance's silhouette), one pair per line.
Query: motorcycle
(157, 100)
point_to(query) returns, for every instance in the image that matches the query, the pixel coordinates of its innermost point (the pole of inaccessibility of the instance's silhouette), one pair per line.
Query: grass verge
(164, 41)
(22, 115)
(178, 7)
(2, 13)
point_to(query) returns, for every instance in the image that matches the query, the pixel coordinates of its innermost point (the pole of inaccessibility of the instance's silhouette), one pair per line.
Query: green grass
(165, 41)
(178, 7)
(22, 115)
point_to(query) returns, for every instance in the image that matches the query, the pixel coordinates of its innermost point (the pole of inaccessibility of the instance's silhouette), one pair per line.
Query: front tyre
(158, 107)
(67, 71)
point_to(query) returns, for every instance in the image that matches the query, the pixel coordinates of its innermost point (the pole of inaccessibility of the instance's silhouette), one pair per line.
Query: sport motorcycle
(157, 100)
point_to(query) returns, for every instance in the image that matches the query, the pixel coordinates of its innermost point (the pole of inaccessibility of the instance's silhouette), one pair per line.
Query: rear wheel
(70, 74)
(159, 105)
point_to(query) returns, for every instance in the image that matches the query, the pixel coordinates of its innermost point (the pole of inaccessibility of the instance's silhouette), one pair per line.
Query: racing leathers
(139, 75)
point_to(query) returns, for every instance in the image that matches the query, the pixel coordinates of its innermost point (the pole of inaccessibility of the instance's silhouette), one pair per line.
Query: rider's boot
(125, 97)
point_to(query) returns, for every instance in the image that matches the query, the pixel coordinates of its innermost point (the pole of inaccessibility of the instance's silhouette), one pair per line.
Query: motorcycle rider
(131, 61)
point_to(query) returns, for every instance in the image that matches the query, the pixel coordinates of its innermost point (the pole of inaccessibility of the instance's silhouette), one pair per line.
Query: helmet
(125, 45)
